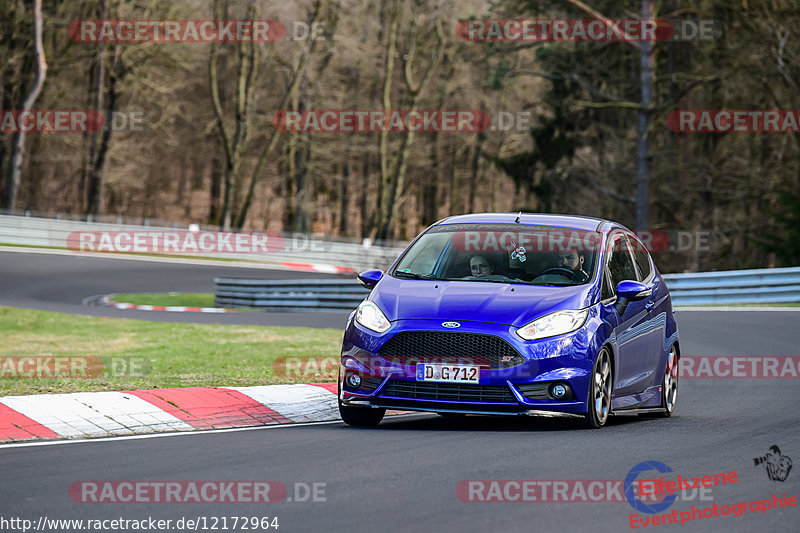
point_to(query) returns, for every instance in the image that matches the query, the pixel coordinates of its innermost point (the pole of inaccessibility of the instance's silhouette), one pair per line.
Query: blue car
(513, 314)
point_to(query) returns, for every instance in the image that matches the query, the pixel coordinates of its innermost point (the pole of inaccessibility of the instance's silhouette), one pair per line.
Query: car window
(620, 262)
(422, 257)
(642, 259)
(607, 290)
(502, 253)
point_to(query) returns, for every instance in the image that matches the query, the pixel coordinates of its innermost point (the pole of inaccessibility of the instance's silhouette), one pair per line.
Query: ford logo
(451, 324)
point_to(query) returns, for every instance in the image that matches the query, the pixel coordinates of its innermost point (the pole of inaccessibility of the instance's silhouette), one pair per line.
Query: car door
(634, 344)
(657, 306)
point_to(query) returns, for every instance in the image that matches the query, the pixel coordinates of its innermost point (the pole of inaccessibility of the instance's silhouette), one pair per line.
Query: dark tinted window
(620, 264)
(607, 291)
(642, 258)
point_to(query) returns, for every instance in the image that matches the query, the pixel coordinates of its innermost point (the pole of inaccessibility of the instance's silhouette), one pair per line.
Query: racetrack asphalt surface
(402, 475)
(60, 282)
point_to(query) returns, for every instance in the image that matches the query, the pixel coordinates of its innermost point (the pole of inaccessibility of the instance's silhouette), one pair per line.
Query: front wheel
(599, 404)
(361, 416)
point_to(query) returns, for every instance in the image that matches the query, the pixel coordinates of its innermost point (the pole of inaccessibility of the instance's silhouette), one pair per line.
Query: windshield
(502, 253)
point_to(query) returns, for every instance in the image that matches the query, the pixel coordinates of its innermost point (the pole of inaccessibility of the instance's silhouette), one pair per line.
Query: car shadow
(433, 422)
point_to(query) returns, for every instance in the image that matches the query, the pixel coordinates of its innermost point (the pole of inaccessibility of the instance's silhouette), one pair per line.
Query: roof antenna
(518, 216)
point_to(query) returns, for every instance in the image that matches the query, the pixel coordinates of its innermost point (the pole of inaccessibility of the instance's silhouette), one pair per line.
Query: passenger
(480, 266)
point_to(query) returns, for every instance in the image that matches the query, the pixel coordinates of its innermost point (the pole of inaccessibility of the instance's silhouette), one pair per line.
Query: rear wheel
(361, 416)
(669, 385)
(599, 404)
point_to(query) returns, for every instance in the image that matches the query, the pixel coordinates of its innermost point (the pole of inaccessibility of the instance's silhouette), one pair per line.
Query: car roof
(538, 219)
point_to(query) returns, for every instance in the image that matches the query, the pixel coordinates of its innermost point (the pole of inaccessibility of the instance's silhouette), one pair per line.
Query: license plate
(448, 373)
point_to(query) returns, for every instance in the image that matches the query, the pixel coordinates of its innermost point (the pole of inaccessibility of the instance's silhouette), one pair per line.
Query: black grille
(370, 384)
(535, 391)
(411, 347)
(447, 392)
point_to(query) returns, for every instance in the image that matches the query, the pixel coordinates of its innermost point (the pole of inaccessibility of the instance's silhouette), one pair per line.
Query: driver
(573, 261)
(480, 266)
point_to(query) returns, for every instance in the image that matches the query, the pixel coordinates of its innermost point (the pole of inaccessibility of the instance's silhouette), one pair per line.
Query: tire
(669, 384)
(600, 390)
(361, 416)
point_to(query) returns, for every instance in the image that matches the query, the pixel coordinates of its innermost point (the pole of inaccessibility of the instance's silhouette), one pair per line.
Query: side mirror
(633, 290)
(369, 278)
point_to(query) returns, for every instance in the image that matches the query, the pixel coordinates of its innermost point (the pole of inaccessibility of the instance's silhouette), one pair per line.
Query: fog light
(558, 391)
(354, 381)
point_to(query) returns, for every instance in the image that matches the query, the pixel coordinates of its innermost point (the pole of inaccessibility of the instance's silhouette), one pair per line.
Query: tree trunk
(95, 185)
(344, 193)
(365, 218)
(429, 191)
(642, 163)
(15, 163)
(215, 192)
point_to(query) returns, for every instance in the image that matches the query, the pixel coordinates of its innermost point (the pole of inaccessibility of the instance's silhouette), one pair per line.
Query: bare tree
(394, 167)
(647, 76)
(233, 145)
(15, 170)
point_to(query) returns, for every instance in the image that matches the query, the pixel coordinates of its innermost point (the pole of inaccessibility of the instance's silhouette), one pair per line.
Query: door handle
(650, 305)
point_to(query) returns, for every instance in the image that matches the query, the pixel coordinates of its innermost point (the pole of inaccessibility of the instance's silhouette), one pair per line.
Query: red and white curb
(173, 308)
(105, 301)
(325, 269)
(103, 414)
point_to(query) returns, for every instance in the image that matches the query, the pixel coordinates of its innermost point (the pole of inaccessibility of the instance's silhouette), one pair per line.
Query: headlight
(553, 324)
(370, 316)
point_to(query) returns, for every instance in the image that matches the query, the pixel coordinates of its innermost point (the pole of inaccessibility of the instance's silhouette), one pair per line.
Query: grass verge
(141, 355)
(178, 299)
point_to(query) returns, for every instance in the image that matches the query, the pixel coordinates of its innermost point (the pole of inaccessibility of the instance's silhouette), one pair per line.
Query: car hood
(500, 303)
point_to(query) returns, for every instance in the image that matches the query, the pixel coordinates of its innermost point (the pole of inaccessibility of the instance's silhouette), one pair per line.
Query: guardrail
(298, 247)
(288, 295)
(756, 286)
(766, 285)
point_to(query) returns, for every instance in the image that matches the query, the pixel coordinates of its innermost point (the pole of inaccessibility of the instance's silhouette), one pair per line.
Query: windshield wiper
(411, 275)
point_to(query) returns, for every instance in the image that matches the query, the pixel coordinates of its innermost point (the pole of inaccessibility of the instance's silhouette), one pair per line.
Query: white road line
(189, 433)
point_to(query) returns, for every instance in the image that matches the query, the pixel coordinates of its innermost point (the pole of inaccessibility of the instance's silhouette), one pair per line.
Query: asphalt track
(402, 476)
(61, 281)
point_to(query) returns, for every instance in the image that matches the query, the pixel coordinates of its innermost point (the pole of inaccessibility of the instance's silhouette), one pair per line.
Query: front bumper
(518, 390)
